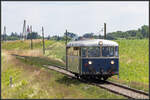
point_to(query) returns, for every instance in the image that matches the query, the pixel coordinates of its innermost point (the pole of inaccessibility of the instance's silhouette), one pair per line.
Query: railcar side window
(68, 53)
(71, 51)
(76, 51)
(93, 52)
(111, 51)
(105, 51)
(84, 50)
(116, 51)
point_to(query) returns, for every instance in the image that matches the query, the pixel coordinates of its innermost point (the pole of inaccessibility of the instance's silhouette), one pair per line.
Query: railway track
(110, 86)
(119, 89)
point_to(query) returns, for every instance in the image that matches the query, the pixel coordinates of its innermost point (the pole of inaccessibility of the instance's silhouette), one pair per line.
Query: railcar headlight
(90, 62)
(100, 42)
(112, 62)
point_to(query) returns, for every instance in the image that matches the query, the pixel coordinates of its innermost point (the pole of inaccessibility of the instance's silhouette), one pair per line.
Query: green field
(133, 62)
(32, 81)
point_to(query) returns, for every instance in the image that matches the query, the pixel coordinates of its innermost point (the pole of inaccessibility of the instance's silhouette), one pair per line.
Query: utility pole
(66, 51)
(99, 35)
(104, 30)
(27, 32)
(31, 36)
(4, 37)
(43, 40)
(66, 37)
(20, 35)
(24, 30)
(100, 32)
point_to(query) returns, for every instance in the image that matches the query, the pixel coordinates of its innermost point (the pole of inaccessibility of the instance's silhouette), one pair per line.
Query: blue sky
(75, 16)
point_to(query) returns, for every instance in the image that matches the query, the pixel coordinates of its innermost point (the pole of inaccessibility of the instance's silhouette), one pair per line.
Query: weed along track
(110, 86)
(125, 91)
(113, 87)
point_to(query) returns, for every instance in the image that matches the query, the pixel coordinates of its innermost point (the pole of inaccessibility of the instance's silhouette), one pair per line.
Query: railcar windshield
(84, 50)
(106, 51)
(116, 51)
(111, 51)
(93, 51)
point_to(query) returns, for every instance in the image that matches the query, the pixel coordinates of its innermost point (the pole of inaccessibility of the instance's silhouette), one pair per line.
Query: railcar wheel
(82, 76)
(85, 77)
(77, 76)
(100, 78)
(105, 78)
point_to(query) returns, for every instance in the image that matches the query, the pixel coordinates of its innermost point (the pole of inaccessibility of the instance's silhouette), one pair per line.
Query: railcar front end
(101, 63)
(96, 59)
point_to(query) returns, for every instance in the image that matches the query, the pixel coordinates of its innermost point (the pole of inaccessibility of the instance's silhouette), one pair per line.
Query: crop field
(133, 71)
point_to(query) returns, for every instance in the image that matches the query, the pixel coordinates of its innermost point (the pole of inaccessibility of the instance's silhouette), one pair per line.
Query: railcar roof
(91, 42)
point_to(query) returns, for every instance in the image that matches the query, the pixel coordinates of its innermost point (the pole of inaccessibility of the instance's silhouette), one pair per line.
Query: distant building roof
(92, 42)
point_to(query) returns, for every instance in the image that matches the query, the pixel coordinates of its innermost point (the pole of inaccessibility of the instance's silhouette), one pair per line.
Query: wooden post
(66, 37)
(43, 41)
(5, 33)
(10, 81)
(100, 32)
(99, 35)
(24, 30)
(104, 30)
(4, 37)
(20, 36)
(31, 37)
(66, 51)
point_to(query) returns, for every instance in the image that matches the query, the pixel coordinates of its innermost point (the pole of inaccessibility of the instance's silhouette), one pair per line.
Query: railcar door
(73, 59)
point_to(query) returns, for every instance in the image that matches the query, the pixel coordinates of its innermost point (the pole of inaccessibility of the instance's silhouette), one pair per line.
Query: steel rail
(128, 92)
(106, 85)
(129, 88)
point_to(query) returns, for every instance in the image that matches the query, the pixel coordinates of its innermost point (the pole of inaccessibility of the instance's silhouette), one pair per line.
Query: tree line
(140, 33)
(16, 36)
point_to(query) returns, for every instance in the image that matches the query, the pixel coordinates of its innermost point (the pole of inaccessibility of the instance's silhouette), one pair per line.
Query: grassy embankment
(34, 81)
(54, 49)
(134, 63)
(133, 54)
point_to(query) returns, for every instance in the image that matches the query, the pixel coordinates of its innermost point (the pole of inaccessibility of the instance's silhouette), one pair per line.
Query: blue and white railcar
(93, 58)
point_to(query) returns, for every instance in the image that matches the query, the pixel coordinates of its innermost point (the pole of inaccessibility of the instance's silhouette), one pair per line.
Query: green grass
(133, 62)
(40, 61)
(134, 59)
(39, 44)
(25, 45)
(56, 50)
(15, 45)
(32, 82)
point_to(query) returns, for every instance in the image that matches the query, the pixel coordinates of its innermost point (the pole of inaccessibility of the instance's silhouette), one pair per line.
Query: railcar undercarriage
(93, 76)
